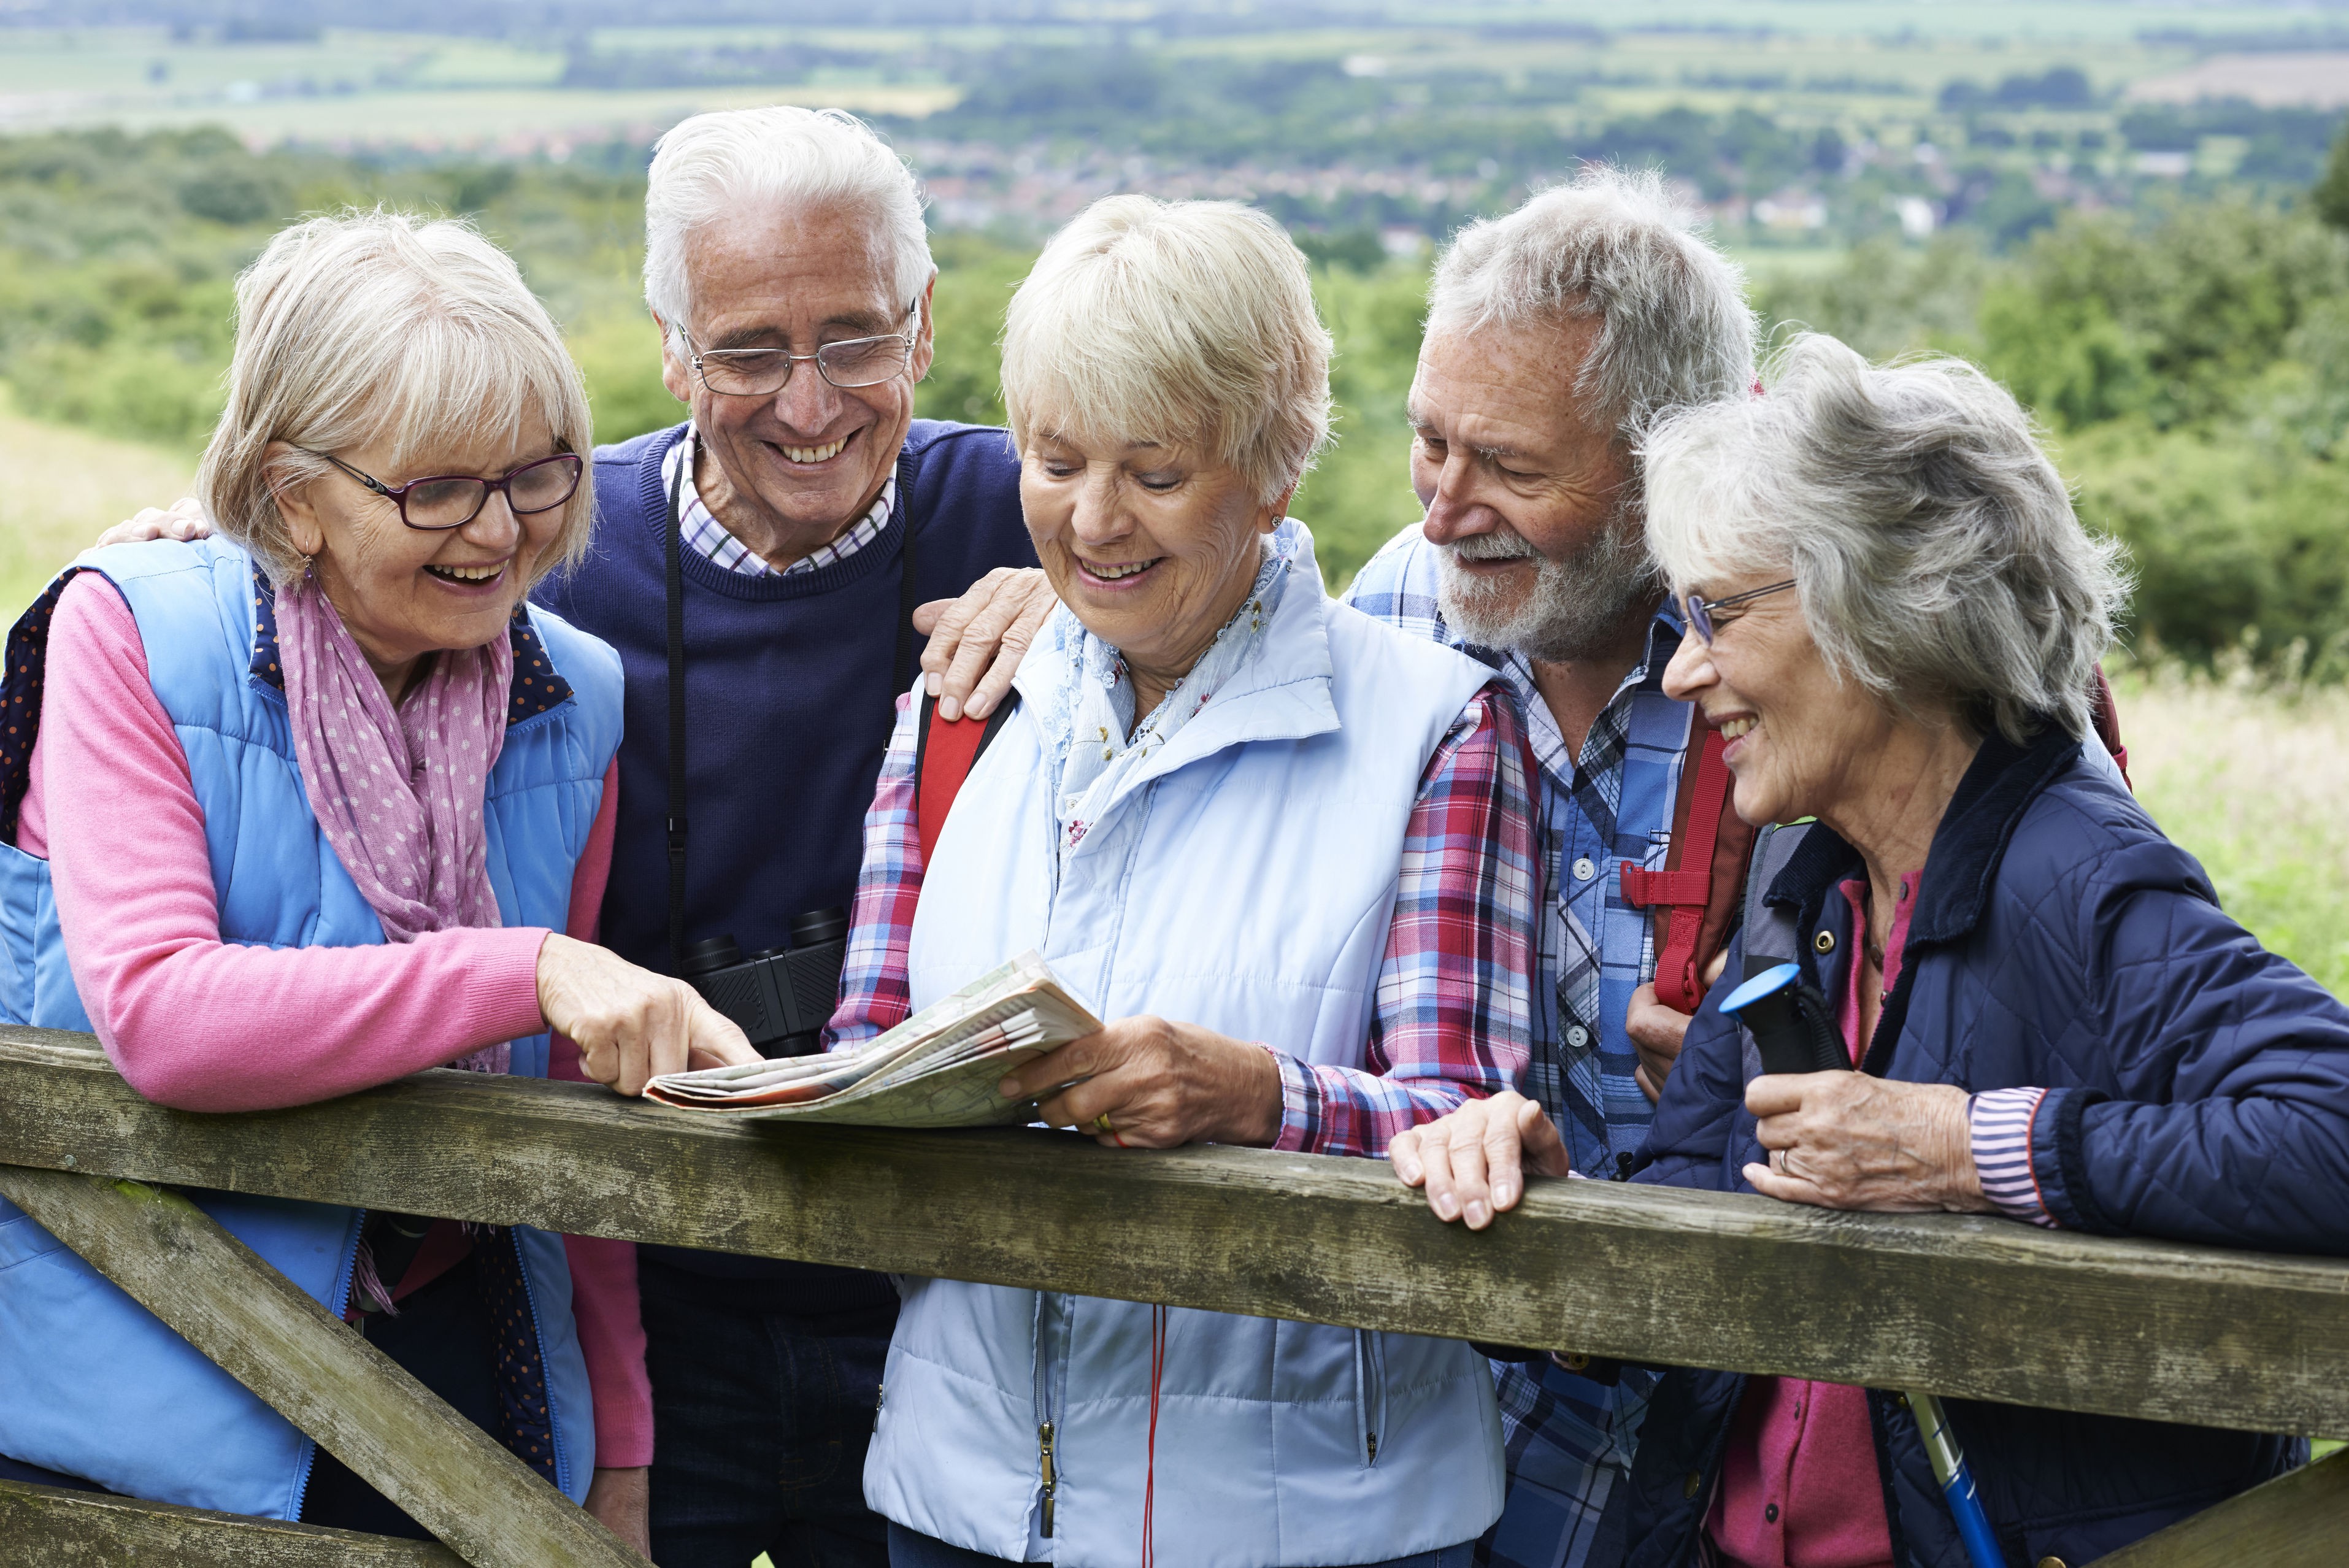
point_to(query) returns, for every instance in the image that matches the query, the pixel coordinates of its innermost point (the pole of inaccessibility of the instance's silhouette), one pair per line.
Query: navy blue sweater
(790, 694)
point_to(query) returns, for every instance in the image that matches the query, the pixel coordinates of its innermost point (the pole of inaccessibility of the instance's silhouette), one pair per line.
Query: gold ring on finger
(1101, 1123)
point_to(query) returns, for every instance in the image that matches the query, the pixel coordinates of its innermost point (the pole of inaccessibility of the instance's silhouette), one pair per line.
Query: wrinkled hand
(630, 1025)
(1852, 1141)
(977, 641)
(1657, 1031)
(1472, 1161)
(1656, 1034)
(183, 518)
(621, 1501)
(1161, 1084)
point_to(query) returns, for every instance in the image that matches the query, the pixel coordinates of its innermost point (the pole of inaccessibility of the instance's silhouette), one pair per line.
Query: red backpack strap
(945, 751)
(1695, 897)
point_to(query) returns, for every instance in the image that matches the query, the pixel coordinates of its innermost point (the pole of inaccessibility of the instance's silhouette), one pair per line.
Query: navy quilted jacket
(2198, 1092)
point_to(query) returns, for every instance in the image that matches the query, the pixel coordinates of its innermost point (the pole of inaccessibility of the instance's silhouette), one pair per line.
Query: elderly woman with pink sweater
(315, 803)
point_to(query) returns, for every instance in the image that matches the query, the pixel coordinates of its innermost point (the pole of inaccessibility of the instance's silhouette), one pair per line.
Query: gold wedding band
(1102, 1122)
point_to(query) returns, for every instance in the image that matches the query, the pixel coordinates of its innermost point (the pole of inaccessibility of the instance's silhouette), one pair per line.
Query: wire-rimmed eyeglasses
(1704, 615)
(849, 364)
(438, 502)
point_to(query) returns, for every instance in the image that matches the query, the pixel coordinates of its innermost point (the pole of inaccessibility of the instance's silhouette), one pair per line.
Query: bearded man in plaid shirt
(1554, 335)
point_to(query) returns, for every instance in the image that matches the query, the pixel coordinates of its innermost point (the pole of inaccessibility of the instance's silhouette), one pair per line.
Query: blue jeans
(909, 1549)
(760, 1421)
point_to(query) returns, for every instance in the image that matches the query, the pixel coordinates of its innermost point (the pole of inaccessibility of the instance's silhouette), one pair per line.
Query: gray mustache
(1509, 546)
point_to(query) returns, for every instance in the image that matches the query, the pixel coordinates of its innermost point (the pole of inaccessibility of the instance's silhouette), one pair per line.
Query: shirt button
(1577, 1036)
(1583, 870)
(1770, 1514)
(1689, 1487)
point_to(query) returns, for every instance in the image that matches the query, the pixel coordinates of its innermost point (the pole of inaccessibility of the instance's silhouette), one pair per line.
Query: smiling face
(405, 592)
(1152, 548)
(796, 470)
(1801, 742)
(1527, 493)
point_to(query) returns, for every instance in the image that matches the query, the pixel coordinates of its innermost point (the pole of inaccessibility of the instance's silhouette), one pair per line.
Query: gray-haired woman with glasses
(313, 804)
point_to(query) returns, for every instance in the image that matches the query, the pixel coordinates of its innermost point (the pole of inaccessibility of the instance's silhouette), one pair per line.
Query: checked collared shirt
(1570, 1439)
(705, 536)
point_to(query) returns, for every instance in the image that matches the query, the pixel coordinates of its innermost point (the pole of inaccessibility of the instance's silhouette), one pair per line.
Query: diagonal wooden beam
(2296, 1520)
(60, 1528)
(1957, 1304)
(449, 1476)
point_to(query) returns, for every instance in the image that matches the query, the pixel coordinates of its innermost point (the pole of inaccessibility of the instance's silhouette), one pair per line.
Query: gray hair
(1673, 324)
(369, 325)
(1931, 541)
(1173, 322)
(714, 165)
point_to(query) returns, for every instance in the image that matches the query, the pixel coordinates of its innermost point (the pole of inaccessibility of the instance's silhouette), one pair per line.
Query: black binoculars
(781, 996)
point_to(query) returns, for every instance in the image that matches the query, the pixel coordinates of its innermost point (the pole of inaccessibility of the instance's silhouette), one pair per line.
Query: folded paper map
(937, 1069)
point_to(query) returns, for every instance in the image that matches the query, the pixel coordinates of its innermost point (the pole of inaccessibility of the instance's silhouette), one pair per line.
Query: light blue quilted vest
(1244, 879)
(90, 1383)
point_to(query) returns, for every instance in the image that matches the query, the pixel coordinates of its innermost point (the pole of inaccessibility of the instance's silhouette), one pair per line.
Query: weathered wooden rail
(1972, 1307)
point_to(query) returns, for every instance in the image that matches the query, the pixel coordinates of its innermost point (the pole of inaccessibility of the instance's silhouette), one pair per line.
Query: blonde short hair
(379, 325)
(1175, 322)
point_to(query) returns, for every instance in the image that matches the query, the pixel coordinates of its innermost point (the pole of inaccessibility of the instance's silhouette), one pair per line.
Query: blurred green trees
(2193, 373)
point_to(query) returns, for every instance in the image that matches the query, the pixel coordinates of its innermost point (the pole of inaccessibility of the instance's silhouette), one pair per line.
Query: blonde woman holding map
(1286, 850)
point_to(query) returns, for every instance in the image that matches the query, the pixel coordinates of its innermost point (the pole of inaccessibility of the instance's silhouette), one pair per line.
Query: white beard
(1575, 608)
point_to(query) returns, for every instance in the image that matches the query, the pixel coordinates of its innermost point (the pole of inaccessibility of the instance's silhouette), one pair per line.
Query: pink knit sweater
(180, 1012)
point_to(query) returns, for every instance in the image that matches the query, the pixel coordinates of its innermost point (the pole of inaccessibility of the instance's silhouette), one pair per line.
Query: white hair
(712, 166)
(1673, 324)
(1175, 322)
(381, 325)
(1932, 543)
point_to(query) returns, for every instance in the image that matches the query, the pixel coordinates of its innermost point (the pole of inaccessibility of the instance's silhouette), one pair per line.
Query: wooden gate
(1978, 1308)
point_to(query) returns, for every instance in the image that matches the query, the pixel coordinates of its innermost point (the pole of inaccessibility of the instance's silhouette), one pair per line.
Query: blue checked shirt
(1570, 1438)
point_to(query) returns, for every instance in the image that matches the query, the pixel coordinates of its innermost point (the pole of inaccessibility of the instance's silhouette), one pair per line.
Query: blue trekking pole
(1794, 1028)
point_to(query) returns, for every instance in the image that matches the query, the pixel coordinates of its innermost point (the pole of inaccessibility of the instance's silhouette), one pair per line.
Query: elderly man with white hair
(758, 567)
(1556, 334)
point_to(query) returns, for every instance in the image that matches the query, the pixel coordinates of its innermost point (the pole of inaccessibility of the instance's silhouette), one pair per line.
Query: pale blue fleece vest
(92, 1384)
(1243, 879)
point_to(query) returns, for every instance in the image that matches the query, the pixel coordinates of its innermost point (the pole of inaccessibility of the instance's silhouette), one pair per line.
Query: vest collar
(537, 686)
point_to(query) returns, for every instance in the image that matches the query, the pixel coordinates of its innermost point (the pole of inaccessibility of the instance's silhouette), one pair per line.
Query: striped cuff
(1300, 1104)
(1999, 1123)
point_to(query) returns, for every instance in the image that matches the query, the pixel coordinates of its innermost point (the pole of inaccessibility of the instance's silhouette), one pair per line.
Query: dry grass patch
(2249, 781)
(64, 488)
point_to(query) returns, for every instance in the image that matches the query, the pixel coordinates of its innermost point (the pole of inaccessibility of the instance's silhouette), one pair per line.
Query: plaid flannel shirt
(1453, 1013)
(1568, 1437)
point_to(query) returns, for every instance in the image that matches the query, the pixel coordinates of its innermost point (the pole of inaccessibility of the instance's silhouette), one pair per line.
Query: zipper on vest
(1044, 1441)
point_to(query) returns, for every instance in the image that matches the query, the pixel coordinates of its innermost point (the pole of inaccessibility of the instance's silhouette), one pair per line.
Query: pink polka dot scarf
(398, 790)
